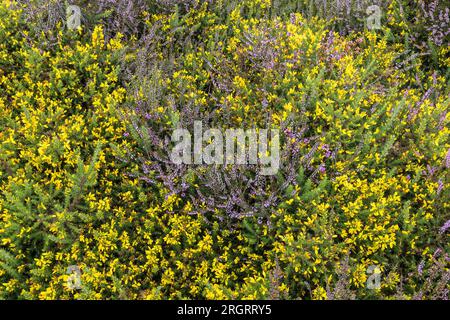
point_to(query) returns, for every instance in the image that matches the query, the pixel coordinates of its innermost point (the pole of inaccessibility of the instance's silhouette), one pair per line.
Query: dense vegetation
(86, 117)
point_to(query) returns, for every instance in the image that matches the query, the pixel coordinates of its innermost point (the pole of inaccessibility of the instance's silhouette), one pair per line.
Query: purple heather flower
(327, 150)
(430, 171)
(292, 18)
(126, 134)
(441, 120)
(440, 186)
(145, 168)
(420, 267)
(444, 227)
(437, 252)
(322, 168)
(445, 294)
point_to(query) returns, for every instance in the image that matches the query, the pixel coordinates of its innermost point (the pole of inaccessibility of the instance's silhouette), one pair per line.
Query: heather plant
(43, 15)
(423, 26)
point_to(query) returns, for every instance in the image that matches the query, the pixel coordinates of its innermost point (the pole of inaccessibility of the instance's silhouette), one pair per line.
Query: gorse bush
(86, 181)
(56, 129)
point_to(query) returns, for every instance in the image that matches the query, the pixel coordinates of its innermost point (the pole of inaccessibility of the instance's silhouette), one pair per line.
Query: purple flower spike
(445, 227)
(447, 159)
